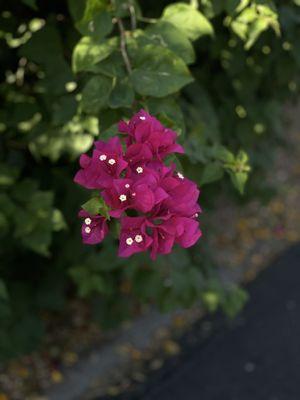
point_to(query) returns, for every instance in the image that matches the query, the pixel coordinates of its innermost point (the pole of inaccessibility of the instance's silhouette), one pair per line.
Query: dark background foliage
(217, 72)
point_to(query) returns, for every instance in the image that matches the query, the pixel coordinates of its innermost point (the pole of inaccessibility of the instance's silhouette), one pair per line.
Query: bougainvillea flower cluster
(156, 206)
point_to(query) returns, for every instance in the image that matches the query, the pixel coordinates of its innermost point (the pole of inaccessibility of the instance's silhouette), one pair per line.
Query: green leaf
(96, 206)
(85, 9)
(223, 154)
(170, 36)
(112, 66)
(97, 25)
(255, 19)
(122, 94)
(136, 41)
(238, 169)
(92, 206)
(33, 217)
(212, 172)
(76, 8)
(255, 30)
(39, 241)
(93, 18)
(88, 52)
(237, 6)
(159, 72)
(242, 158)
(74, 138)
(95, 94)
(239, 180)
(211, 300)
(212, 8)
(234, 300)
(188, 19)
(58, 221)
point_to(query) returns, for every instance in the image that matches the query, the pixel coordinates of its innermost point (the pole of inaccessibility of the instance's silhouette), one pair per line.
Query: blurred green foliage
(215, 71)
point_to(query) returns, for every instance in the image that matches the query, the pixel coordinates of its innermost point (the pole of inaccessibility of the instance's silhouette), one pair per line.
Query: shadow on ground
(256, 357)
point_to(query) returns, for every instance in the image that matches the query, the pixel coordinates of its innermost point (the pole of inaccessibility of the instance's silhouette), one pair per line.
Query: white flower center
(123, 197)
(87, 230)
(142, 118)
(88, 221)
(196, 215)
(180, 176)
(138, 238)
(103, 157)
(127, 185)
(139, 170)
(111, 161)
(129, 241)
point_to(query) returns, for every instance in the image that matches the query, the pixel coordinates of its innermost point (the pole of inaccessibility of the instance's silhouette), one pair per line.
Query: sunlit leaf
(188, 19)
(89, 52)
(170, 36)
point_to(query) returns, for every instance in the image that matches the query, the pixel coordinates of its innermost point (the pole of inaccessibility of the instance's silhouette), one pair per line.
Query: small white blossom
(180, 176)
(139, 170)
(111, 161)
(138, 238)
(127, 185)
(103, 157)
(87, 230)
(88, 221)
(123, 197)
(142, 118)
(129, 241)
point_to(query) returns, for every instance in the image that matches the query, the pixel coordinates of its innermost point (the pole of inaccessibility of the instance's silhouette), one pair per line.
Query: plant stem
(147, 20)
(122, 40)
(123, 45)
(132, 16)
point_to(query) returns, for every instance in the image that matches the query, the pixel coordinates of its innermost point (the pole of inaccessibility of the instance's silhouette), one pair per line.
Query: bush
(217, 72)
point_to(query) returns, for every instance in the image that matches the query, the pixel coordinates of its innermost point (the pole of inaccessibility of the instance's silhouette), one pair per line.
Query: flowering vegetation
(215, 72)
(136, 180)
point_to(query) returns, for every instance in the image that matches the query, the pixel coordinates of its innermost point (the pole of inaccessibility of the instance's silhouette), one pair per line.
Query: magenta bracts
(132, 177)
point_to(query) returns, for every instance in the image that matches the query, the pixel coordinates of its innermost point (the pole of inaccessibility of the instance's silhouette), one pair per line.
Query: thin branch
(132, 16)
(147, 20)
(123, 45)
(122, 40)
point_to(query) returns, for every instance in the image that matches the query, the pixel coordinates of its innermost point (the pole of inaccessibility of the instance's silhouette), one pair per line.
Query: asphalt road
(255, 358)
